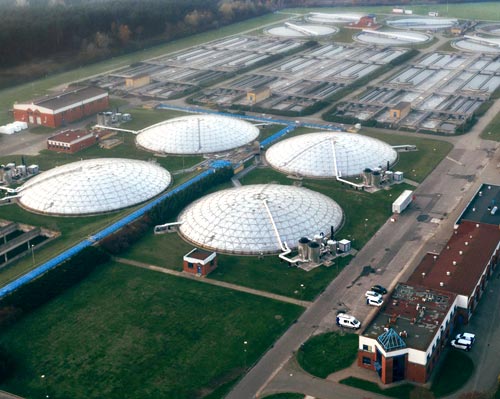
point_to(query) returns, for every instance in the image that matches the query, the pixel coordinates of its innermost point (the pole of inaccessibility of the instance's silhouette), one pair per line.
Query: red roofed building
(405, 339)
(463, 266)
(71, 141)
(65, 107)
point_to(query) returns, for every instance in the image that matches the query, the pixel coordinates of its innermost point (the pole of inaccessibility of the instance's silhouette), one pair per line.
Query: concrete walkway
(235, 287)
(292, 378)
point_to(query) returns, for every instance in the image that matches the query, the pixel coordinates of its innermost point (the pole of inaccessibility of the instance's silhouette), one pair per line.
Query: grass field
(131, 333)
(415, 164)
(492, 131)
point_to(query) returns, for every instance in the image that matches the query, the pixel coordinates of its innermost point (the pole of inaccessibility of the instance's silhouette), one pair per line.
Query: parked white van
(345, 320)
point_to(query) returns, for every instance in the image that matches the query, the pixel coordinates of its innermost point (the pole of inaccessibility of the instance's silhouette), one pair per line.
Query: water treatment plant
(275, 157)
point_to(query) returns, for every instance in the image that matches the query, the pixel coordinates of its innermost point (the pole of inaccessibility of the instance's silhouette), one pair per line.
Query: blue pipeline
(14, 285)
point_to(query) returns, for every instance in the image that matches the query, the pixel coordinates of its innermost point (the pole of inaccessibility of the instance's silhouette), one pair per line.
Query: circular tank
(314, 249)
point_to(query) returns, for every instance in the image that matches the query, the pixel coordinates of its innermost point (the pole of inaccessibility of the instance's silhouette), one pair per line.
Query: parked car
(374, 301)
(467, 336)
(379, 289)
(345, 320)
(372, 294)
(461, 344)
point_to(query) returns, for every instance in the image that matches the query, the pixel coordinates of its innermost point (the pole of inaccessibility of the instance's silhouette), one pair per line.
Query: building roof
(461, 263)
(414, 313)
(68, 136)
(197, 134)
(479, 209)
(401, 106)
(391, 341)
(198, 253)
(330, 154)
(258, 218)
(67, 98)
(93, 186)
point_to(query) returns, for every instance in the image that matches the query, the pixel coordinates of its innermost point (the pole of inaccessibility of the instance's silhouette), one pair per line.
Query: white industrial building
(330, 154)
(197, 134)
(258, 219)
(92, 186)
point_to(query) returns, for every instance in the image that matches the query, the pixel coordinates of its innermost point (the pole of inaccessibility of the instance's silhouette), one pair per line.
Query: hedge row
(164, 212)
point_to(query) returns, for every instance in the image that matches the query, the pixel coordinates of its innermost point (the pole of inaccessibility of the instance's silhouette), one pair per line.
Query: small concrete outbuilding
(199, 262)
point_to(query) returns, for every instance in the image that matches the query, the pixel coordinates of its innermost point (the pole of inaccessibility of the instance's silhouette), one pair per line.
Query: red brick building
(200, 262)
(405, 339)
(65, 107)
(71, 141)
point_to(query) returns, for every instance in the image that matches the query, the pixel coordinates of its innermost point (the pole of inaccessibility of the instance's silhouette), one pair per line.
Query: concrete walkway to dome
(235, 287)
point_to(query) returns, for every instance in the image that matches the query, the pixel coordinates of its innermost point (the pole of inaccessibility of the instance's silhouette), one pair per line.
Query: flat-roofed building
(443, 291)
(400, 110)
(406, 337)
(138, 80)
(71, 141)
(65, 107)
(200, 262)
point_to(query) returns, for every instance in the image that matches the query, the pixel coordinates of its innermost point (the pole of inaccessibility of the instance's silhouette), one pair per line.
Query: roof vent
(480, 193)
(423, 274)
(454, 263)
(460, 252)
(435, 257)
(441, 284)
(470, 237)
(473, 209)
(447, 247)
(466, 243)
(477, 224)
(448, 273)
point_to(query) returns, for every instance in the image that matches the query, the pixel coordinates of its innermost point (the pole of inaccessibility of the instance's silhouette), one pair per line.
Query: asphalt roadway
(393, 252)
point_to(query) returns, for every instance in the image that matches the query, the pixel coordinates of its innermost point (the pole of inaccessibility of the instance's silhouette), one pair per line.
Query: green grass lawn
(327, 353)
(455, 370)
(492, 131)
(415, 164)
(400, 391)
(131, 333)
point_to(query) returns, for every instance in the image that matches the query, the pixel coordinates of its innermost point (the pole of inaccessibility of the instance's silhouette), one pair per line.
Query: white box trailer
(402, 202)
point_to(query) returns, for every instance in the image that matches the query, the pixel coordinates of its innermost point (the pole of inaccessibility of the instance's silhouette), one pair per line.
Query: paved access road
(393, 251)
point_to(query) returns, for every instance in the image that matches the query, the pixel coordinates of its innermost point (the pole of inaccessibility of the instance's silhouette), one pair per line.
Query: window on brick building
(367, 360)
(190, 265)
(367, 348)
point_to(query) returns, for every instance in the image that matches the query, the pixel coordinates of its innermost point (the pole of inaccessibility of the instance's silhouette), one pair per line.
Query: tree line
(92, 30)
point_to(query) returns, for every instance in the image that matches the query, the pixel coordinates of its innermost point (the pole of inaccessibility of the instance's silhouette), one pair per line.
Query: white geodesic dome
(420, 23)
(325, 154)
(254, 219)
(93, 186)
(197, 134)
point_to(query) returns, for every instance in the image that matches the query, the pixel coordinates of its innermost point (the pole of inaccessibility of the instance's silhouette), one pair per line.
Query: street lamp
(33, 259)
(44, 382)
(245, 343)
